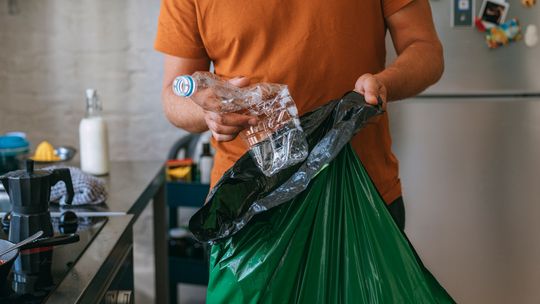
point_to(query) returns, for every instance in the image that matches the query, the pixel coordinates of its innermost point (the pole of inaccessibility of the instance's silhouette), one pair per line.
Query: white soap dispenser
(93, 137)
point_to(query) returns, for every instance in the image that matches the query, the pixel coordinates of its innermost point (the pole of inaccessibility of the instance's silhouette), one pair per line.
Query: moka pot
(29, 193)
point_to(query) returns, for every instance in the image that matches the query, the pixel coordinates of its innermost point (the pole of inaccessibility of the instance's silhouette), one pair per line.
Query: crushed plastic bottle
(277, 141)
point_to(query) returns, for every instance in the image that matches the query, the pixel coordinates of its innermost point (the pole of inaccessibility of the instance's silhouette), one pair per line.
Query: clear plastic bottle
(93, 137)
(232, 97)
(277, 141)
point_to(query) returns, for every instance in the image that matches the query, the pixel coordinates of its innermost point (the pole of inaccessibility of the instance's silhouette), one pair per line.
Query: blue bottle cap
(184, 86)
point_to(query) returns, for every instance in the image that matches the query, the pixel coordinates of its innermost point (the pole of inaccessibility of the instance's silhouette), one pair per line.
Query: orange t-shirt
(318, 48)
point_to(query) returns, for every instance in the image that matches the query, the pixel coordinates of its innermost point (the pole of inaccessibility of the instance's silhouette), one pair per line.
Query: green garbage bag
(315, 233)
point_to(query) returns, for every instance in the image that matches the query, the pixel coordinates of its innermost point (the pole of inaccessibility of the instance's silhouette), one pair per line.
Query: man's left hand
(371, 87)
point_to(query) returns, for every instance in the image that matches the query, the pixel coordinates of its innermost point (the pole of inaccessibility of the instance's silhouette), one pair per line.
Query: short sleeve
(392, 6)
(178, 30)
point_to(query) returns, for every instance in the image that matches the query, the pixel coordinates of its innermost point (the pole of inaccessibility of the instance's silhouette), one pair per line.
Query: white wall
(52, 50)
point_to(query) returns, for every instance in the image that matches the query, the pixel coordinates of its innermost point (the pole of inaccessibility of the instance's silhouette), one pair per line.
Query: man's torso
(318, 48)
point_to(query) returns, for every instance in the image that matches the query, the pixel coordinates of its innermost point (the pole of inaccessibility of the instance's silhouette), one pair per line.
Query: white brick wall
(52, 50)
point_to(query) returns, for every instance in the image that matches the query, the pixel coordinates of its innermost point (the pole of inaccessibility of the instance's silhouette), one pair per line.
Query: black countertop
(131, 186)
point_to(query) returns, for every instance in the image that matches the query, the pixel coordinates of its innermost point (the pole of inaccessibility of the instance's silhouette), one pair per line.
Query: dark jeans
(397, 210)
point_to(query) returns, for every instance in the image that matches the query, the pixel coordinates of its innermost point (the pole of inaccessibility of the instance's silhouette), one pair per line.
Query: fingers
(208, 100)
(369, 86)
(226, 126)
(240, 81)
(371, 90)
(232, 119)
(225, 130)
(222, 137)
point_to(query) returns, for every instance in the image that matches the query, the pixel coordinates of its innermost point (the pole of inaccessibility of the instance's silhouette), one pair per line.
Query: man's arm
(180, 111)
(195, 114)
(420, 60)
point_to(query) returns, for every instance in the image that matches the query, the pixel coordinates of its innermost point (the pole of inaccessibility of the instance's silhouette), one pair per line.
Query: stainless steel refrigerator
(473, 69)
(469, 151)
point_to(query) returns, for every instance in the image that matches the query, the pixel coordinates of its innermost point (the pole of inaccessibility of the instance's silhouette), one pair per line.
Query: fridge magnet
(531, 35)
(479, 25)
(528, 3)
(493, 12)
(462, 14)
(503, 34)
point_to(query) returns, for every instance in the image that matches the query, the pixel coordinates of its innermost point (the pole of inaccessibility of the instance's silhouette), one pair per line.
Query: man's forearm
(183, 112)
(416, 68)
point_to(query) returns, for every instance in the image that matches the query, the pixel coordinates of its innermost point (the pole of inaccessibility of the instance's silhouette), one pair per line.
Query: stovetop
(37, 272)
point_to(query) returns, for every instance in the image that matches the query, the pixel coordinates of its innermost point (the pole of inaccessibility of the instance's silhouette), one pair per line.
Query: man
(320, 49)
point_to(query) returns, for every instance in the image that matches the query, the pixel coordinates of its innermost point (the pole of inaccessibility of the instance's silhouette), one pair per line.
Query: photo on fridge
(493, 12)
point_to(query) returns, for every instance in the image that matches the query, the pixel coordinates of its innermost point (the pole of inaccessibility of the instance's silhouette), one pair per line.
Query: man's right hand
(224, 126)
(200, 112)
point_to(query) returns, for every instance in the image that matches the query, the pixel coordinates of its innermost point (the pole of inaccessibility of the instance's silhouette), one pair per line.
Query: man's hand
(372, 88)
(200, 112)
(224, 126)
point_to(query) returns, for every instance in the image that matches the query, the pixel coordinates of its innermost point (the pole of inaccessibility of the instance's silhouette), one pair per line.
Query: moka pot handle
(64, 175)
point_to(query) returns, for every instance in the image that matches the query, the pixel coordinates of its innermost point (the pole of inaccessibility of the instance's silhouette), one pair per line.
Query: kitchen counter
(131, 186)
(89, 278)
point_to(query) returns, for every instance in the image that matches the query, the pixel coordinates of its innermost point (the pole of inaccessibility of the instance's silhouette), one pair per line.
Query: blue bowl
(13, 150)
